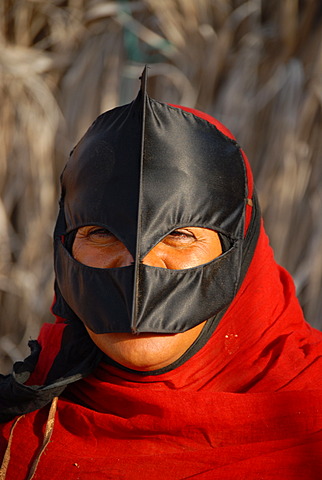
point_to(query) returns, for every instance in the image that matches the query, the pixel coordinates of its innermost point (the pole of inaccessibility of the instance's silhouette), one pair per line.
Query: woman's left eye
(182, 234)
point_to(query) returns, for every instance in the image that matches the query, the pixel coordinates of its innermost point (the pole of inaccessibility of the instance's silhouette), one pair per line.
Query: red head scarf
(247, 404)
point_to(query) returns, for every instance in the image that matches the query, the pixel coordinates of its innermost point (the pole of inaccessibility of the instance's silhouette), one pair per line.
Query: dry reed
(256, 65)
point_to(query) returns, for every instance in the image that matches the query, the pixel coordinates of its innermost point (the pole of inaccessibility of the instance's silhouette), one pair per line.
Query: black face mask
(141, 171)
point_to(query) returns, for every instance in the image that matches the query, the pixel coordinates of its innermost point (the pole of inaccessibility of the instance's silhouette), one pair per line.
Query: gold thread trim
(6, 457)
(48, 433)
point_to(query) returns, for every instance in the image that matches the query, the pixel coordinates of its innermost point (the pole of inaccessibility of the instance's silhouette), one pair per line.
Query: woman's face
(183, 248)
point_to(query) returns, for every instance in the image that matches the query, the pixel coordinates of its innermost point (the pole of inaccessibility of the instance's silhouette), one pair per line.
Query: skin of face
(183, 248)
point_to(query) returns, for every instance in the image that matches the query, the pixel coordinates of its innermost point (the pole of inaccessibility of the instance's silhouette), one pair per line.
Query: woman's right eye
(100, 235)
(100, 231)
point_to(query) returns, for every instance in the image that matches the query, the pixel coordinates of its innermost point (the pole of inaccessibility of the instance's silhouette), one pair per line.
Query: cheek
(214, 249)
(101, 256)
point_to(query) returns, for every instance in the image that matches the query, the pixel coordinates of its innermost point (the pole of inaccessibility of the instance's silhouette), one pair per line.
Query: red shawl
(247, 405)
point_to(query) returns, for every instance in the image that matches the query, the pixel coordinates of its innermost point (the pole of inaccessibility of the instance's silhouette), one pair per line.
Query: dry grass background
(256, 65)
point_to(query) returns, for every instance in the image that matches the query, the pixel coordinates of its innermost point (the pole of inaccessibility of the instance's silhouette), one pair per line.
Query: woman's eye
(100, 231)
(179, 237)
(182, 234)
(100, 234)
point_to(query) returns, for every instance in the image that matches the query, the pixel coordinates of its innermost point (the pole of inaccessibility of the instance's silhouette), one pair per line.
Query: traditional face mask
(141, 171)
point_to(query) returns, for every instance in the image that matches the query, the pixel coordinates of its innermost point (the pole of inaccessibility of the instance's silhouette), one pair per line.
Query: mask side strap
(138, 237)
(60, 226)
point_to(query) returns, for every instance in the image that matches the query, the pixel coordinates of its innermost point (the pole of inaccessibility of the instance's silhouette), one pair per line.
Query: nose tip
(125, 259)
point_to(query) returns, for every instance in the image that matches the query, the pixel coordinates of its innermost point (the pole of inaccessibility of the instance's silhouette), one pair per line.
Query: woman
(180, 349)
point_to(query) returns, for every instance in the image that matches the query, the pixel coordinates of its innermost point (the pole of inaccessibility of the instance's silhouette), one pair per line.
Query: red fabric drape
(247, 405)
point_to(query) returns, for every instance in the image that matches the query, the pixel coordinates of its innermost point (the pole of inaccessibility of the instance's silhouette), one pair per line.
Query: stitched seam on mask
(138, 235)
